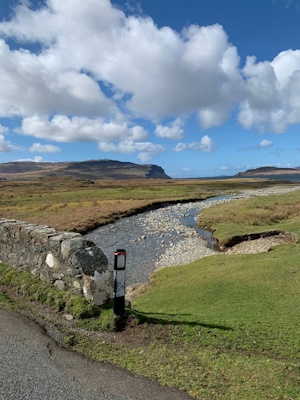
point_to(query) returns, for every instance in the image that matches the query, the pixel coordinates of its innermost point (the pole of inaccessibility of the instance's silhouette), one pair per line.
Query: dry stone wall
(65, 259)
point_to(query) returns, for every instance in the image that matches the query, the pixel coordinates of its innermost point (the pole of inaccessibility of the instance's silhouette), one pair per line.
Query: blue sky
(202, 88)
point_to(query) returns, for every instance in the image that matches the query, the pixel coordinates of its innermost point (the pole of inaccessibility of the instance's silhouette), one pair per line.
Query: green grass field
(224, 327)
(237, 314)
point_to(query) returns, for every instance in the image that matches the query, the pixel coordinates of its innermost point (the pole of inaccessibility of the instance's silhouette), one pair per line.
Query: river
(165, 237)
(154, 237)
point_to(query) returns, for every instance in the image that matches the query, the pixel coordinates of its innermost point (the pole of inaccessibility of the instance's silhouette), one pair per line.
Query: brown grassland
(81, 205)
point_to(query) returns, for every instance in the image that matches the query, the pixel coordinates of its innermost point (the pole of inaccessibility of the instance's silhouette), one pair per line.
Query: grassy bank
(81, 205)
(260, 214)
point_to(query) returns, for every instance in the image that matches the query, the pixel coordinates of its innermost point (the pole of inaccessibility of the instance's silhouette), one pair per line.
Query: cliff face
(93, 169)
(157, 172)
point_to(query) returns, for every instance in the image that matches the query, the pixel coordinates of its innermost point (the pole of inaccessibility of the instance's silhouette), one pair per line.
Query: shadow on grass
(167, 319)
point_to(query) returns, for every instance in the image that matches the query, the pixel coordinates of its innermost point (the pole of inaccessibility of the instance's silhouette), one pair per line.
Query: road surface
(33, 367)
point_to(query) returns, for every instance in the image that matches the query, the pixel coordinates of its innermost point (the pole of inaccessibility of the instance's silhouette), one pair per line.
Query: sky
(201, 88)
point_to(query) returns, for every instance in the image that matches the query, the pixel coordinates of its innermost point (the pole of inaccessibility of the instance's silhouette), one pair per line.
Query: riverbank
(160, 238)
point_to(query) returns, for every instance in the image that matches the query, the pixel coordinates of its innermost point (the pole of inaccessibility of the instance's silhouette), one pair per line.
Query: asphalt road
(33, 367)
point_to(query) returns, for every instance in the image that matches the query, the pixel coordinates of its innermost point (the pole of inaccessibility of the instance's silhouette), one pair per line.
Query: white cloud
(146, 150)
(262, 145)
(35, 159)
(180, 147)
(206, 145)
(167, 73)
(5, 145)
(265, 143)
(213, 116)
(272, 100)
(75, 129)
(186, 169)
(171, 73)
(44, 90)
(44, 148)
(173, 131)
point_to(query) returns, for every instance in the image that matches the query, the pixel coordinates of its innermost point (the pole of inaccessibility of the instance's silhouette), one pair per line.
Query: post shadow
(146, 317)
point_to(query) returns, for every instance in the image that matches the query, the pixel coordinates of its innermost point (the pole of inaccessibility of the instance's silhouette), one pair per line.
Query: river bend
(158, 238)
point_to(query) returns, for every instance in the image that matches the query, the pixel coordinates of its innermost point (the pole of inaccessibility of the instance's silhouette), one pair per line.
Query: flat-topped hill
(92, 169)
(269, 171)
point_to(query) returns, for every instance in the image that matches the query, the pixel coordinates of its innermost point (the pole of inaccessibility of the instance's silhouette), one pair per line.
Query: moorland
(73, 204)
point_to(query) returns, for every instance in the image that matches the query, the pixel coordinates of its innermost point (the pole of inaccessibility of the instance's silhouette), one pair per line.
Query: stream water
(145, 242)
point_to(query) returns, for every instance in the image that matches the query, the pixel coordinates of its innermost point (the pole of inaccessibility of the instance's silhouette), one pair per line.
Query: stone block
(15, 232)
(68, 247)
(89, 260)
(98, 288)
(41, 235)
(54, 243)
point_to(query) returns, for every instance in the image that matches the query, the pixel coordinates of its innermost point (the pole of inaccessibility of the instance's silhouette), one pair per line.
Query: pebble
(68, 317)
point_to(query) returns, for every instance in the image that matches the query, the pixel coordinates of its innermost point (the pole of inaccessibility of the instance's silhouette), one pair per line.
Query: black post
(119, 282)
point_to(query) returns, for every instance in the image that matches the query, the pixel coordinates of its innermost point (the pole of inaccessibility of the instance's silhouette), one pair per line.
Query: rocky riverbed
(168, 236)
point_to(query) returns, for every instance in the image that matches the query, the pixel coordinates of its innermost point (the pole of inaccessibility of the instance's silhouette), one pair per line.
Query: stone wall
(65, 259)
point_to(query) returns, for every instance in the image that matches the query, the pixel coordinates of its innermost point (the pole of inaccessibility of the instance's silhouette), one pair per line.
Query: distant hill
(92, 169)
(269, 171)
